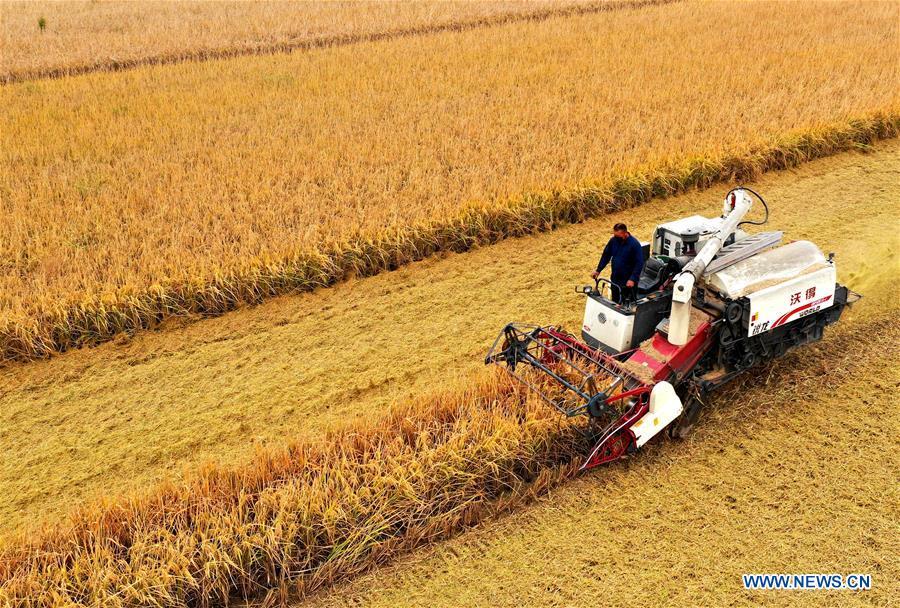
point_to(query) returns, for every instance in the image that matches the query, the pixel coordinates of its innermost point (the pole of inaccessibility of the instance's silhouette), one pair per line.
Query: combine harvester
(712, 303)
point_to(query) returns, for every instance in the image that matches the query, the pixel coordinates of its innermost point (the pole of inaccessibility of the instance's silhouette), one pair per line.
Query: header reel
(576, 381)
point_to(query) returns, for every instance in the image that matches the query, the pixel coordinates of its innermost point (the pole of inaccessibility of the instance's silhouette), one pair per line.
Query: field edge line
(289, 46)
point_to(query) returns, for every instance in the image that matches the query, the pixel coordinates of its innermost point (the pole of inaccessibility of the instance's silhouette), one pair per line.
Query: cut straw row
(99, 319)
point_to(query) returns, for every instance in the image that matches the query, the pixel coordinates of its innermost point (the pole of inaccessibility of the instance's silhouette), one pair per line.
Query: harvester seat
(657, 269)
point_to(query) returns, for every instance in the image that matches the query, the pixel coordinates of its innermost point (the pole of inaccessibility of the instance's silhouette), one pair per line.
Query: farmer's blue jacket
(627, 260)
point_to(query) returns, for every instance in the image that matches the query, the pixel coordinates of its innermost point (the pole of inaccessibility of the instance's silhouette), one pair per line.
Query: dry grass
(126, 415)
(81, 37)
(322, 511)
(194, 188)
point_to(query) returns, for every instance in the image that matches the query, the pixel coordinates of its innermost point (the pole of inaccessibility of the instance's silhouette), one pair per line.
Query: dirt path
(123, 415)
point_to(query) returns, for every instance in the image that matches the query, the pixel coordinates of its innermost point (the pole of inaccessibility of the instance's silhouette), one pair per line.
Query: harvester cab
(712, 302)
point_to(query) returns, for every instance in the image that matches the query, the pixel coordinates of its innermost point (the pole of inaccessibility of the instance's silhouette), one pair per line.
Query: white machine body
(790, 301)
(665, 406)
(612, 328)
(668, 240)
(711, 302)
(735, 208)
(782, 284)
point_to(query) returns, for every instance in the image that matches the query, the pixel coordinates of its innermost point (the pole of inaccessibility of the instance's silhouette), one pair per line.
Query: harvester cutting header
(711, 303)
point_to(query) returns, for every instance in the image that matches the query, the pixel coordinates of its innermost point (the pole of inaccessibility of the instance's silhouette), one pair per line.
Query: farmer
(627, 261)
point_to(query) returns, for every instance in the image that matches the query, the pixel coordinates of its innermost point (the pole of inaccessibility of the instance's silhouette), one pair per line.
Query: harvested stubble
(93, 321)
(307, 516)
(126, 415)
(317, 514)
(83, 37)
(792, 470)
(187, 188)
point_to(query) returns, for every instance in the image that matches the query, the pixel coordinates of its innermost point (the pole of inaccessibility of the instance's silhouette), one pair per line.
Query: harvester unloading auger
(712, 302)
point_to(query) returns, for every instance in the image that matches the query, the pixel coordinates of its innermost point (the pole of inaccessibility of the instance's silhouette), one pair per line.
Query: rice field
(314, 515)
(165, 163)
(40, 39)
(327, 509)
(238, 529)
(194, 188)
(308, 517)
(785, 474)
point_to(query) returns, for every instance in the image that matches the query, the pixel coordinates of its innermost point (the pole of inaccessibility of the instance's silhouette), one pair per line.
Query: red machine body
(613, 390)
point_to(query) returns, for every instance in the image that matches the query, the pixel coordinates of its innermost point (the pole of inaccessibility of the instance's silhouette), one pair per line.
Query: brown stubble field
(767, 482)
(343, 444)
(788, 473)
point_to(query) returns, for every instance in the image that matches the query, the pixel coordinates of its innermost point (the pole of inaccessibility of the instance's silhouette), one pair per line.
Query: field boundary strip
(319, 513)
(97, 320)
(293, 45)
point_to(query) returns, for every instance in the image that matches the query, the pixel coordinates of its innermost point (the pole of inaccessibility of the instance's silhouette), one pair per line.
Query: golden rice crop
(793, 471)
(61, 327)
(127, 415)
(196, 187)
(84, 36)
(306, 516)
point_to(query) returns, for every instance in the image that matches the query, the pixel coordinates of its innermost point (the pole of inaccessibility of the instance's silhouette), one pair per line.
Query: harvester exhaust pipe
(737, 204)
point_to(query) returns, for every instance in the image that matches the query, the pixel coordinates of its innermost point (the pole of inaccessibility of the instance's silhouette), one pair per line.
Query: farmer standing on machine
(627, 262)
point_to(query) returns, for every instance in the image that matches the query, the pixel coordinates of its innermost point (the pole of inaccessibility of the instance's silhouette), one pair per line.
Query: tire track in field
(322, 42)
(786, 397)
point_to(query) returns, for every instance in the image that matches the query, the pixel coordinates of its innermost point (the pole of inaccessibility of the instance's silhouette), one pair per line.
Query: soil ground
(123, 415)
